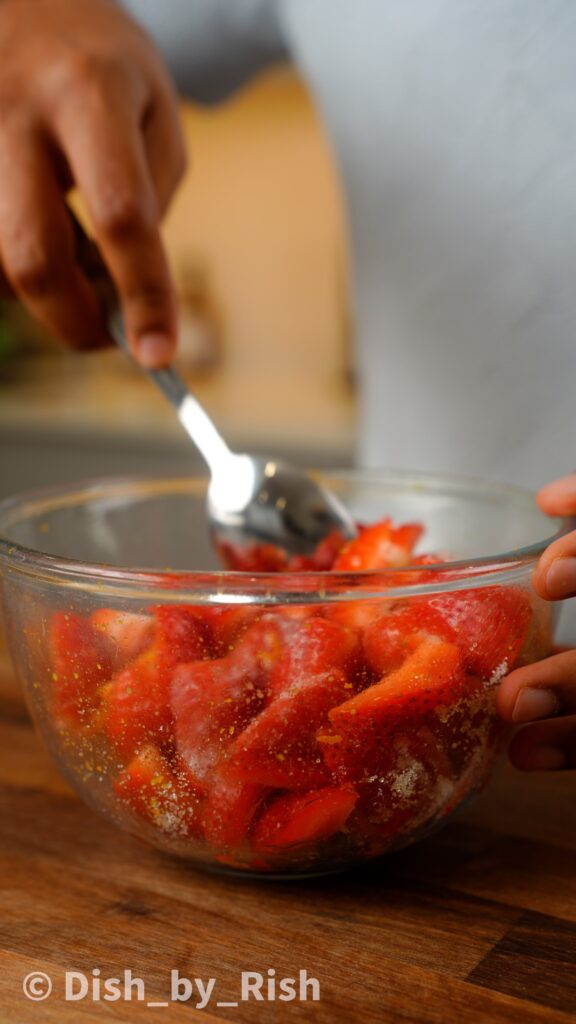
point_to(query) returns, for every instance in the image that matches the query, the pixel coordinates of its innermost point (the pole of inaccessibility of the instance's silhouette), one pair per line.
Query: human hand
(85, 100)
(544, 694)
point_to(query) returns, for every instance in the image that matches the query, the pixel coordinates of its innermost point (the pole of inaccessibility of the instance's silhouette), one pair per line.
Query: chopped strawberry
(316, 646)
(392, 638)
(81, 662)
(182, 632)
(230, 808)
(297, 819)
(279, 747)
(322, 558)
(361, 739)
(135, 709)
(381, 546)
(358, 615)
(155, 792)
(214, 700)
(124, 634)
(255, 558)
(270, 558)
(227, 624)
(488, 624)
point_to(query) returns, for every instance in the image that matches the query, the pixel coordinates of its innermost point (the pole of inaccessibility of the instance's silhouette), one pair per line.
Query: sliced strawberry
(270, 558)
(322, 558)
(212, 701)
(182, 632)
(316, 646)
(227, 624)
(135, 709)
(255, 558)
(488, 624)
(230, 808)
(380, 546)
(364, 731)
(392, 638)
(81, 662)
(155, 792)
(297, 819)
(358, 615)
(124, 634)
(279, 748)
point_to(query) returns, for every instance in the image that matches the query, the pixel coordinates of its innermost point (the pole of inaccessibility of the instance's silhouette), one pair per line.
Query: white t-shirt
(453, 123)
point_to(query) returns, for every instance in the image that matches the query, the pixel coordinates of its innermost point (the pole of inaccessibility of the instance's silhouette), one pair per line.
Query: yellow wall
(261, 205)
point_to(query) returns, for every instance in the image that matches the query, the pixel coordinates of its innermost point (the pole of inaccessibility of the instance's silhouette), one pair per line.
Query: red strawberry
(380, 546)
(392, 638)
(365, 730)
(316, 646)
(488, 624)
(279, 748)
(358, 615)
(182, 632)
(231, 806)
(297, 819)
(322, 558)
(155, 792)
(135, 709)
(256, 558)
(124, 634)
(227, 624)
(81, 662)
(213, 701)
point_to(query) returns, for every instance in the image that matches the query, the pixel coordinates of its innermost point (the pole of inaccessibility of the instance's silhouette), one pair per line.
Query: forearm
(212, 46)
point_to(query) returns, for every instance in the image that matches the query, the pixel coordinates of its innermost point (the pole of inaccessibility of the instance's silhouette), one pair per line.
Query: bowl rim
(232, 586)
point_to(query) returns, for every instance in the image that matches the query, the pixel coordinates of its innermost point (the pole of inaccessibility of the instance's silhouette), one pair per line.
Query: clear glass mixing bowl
(280, 723)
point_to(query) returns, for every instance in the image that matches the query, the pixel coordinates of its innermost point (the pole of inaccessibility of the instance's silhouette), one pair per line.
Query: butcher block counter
(476, 924)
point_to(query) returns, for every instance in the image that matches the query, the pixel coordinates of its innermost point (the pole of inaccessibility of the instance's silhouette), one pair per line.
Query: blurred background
(257, 243)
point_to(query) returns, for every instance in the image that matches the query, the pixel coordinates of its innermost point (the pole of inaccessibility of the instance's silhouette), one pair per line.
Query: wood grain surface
(476, 924)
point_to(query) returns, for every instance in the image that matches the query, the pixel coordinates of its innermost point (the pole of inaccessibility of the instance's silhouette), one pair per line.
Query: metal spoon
(250, 500)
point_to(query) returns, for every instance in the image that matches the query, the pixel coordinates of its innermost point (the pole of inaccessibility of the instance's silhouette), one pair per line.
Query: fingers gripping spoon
(251, 500)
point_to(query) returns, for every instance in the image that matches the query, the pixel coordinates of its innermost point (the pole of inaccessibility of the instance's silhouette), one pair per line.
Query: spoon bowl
(265, 501)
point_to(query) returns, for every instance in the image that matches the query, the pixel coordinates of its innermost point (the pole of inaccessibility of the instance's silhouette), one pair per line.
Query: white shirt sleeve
(212, 46)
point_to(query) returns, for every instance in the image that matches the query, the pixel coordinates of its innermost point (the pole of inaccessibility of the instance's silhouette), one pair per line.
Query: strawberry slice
(380, 546)
(322, 558)
(214, 700)
(182, 632)
(392, 638)
(255, 558)
(364, 731)
(125, 635)
(229, 810)
(297, 819)
(161, 796)
(227, 624)
(316, 647)
(279, 748)
(81, 662)
(135, 709)
(488, 625)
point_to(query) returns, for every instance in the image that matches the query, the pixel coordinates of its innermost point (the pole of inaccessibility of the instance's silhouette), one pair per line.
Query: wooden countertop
(476, 924)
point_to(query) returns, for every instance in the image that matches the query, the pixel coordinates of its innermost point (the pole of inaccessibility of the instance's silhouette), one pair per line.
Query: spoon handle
(191, 414)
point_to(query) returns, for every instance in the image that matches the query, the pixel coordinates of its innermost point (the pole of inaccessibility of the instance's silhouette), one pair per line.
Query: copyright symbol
(37, 986)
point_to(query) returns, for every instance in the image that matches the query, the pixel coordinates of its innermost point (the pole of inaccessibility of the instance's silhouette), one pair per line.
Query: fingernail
(561, 577)
(154, 349)
(532, 703)
(545, 759)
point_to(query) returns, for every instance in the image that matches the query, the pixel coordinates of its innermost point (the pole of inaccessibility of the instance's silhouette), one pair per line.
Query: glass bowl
(280, 723)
